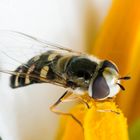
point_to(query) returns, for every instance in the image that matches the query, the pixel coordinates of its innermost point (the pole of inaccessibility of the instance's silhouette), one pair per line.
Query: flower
(96, 124)
(105, 125)
(69, 129)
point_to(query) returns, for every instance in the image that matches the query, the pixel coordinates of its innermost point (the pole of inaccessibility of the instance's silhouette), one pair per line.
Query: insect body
(70, 71)
(48, 63)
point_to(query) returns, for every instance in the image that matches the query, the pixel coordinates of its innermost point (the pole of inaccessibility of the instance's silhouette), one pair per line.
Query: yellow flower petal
(105, 125)
(69, 129)
(119, 33)
(97, 125)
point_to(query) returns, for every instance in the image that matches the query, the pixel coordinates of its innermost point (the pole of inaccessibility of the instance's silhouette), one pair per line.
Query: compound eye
(98, 88)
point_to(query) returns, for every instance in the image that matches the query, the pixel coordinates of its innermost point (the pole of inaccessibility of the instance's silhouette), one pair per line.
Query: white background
(24, 113)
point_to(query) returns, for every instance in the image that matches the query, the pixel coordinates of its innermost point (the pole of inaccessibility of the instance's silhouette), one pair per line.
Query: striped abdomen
(37, 70)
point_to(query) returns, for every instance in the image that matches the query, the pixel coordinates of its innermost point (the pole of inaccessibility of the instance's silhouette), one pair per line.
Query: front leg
(60, 100)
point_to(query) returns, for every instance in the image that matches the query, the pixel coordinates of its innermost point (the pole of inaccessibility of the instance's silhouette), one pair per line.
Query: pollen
(105, 122)
(101, 122)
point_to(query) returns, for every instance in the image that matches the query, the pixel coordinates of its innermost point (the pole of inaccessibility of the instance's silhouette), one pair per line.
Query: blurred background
(24, 113)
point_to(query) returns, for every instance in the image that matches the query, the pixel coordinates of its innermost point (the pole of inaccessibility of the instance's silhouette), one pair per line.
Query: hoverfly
(36, 61)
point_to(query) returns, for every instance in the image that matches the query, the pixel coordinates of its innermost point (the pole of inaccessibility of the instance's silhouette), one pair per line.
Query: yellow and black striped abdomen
(39, 69)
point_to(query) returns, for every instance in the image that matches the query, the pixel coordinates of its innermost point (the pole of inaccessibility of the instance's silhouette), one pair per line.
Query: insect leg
(107, 110)
(84, 102)
(110, 99)
(60, 100)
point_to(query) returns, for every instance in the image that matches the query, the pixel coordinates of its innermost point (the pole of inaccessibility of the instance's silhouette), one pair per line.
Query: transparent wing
(17, 48)
(35, 77)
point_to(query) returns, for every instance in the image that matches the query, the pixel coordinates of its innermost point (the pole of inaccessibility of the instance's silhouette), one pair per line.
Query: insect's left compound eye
(98, 88)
